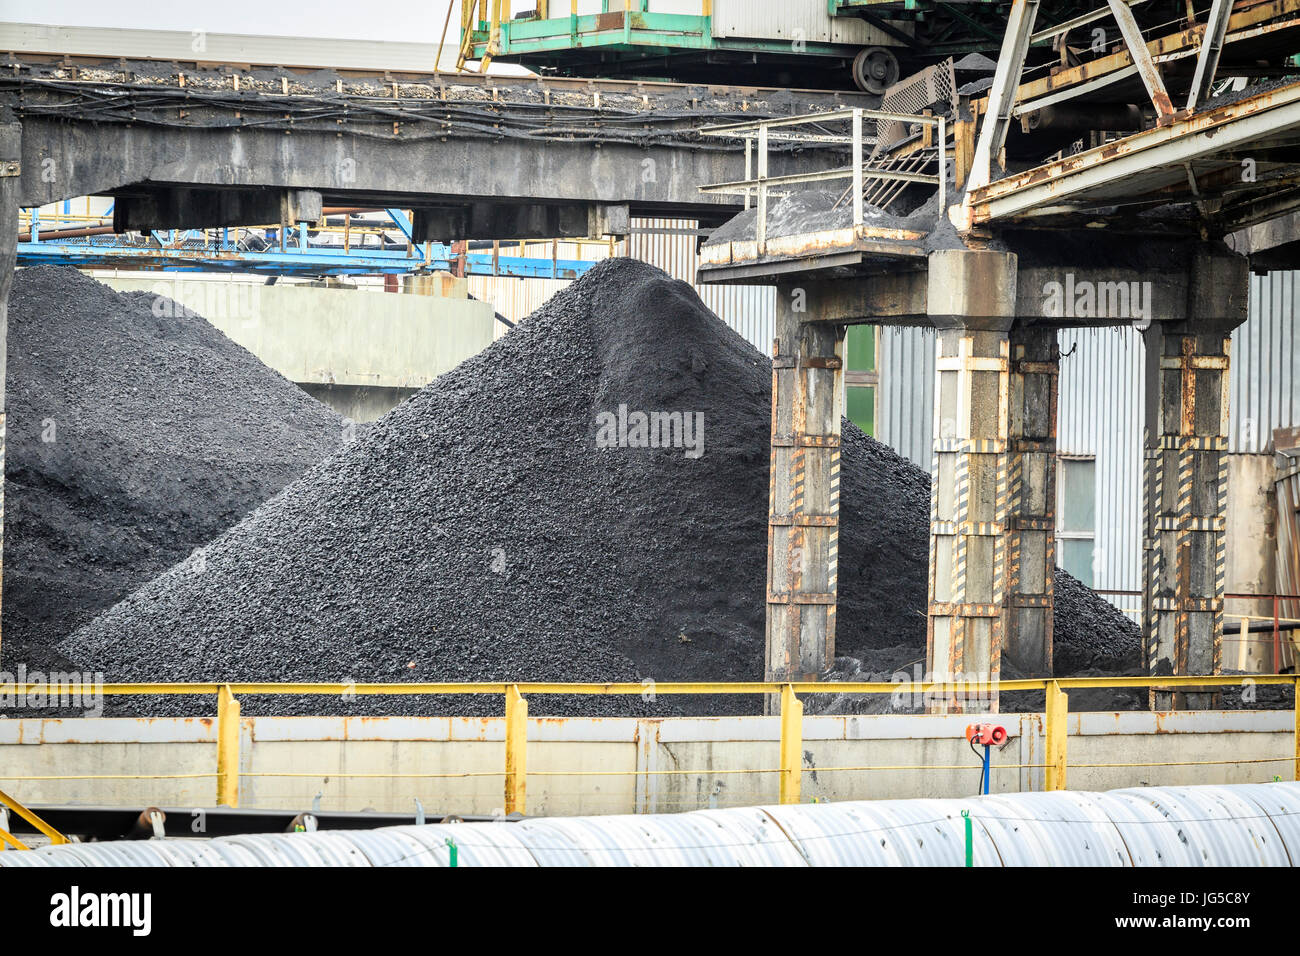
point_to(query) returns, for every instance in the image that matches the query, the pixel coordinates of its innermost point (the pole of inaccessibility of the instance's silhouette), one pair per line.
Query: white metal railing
(759, 133)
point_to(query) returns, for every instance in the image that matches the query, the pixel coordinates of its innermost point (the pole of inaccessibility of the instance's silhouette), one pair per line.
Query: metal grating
(934, 86)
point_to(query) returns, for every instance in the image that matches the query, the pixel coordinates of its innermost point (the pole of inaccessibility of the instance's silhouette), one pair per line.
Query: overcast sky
(419, 22)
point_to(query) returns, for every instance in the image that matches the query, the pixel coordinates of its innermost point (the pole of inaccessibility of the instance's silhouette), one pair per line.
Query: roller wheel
(875, 70)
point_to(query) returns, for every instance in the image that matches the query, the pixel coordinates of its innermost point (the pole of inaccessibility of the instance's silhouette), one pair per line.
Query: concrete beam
(1272, 245)
(971, 290)
(66, 159)
(891, 298)
(186, 208)
(486, 220)
(1076, 281)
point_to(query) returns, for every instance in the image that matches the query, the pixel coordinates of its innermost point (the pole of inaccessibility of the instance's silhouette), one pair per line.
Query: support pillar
(992, 539)
(1185, 480)
(10, 157)
(804, 491)
(1031, 501)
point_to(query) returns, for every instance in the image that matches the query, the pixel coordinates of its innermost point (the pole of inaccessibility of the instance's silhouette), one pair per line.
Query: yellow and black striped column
(991, 523)
(804, 491)
(968, 507)
(1185, 475)
(1185, 478)
(1030, 516)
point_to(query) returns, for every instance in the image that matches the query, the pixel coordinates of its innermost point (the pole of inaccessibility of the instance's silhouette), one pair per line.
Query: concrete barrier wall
(615, 765)
(335, 336)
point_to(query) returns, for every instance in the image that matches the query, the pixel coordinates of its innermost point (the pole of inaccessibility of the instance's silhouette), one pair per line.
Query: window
(861, 377)
(1076, 516)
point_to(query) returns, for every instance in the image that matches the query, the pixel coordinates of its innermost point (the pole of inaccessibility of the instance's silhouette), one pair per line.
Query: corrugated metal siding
(183, 45)
(692, 8)
(1099, 413)
(1239, 825)
(781, 19)
(1265, 378)
(905, 410)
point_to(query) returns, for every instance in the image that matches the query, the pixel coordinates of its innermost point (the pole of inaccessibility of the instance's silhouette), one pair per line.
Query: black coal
(478, 532)
(136, 433)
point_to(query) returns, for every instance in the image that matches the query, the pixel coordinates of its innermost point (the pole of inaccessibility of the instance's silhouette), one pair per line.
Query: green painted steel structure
(630, 38)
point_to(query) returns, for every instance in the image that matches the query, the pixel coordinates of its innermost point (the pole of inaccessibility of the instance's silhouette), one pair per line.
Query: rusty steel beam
(1252, 21)
(1004, 92)
(1202, 135)
(1207, 61)
(1146, 66)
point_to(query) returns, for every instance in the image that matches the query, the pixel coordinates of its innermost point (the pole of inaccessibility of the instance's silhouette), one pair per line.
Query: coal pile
(136, 434)
(483, 530)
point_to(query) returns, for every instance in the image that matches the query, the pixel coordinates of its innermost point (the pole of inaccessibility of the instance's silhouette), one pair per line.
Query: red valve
(989, 735)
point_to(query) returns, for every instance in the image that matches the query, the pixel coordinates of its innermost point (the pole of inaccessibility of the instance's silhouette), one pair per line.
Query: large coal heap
(136, 434)
(480, 532)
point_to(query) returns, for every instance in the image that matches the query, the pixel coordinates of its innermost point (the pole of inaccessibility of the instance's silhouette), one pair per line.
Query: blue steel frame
(290, 254)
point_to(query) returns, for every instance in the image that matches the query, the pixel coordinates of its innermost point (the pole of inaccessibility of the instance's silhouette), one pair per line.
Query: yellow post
(1295, 693)
(516, 751)
(791, 745)
(1056, 732)
(227, 748)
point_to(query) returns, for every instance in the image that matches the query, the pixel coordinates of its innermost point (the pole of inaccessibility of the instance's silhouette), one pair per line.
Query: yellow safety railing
(54, 835)
(790, 766)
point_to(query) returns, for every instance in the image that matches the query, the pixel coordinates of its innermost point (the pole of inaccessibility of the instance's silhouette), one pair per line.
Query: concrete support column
(1031, 501)
(1185, 480)
(804, 491)
(10, 156)
(971, 299)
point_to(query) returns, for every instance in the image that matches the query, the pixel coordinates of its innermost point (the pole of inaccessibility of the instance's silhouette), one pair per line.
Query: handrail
(254, 688)
(859, 169)
(1055, 729)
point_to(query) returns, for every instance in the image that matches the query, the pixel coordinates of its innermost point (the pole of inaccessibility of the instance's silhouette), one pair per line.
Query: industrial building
(657, 432)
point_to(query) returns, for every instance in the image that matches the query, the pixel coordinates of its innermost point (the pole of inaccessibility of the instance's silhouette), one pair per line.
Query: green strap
(970, 839)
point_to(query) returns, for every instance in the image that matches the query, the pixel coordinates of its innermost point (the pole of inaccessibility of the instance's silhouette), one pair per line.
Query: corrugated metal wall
(1265, 377)
(905, 415)
(809, 20)
(1099, 413)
